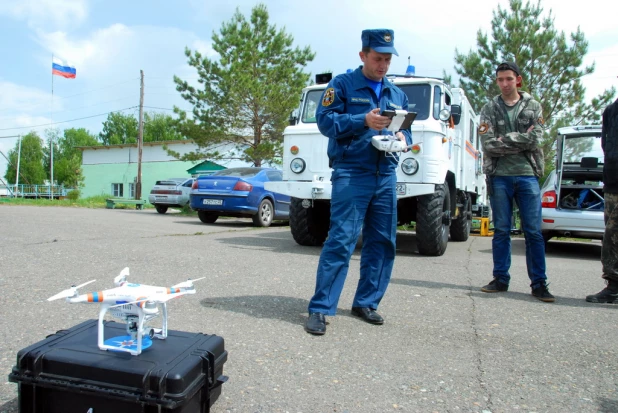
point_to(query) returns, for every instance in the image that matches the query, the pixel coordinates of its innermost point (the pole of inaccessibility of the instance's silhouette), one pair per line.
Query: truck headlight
(297, 165)
(409, 166)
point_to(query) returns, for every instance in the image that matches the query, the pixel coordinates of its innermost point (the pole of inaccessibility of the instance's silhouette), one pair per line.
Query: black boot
(607, 295)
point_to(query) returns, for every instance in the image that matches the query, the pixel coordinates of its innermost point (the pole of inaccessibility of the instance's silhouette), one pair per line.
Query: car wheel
(264, 216)
(207, 217)
(161, 209)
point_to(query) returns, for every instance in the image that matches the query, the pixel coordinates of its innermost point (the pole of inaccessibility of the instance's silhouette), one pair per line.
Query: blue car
(239, 192)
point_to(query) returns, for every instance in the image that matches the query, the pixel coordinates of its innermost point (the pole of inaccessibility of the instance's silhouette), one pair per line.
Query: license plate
(401, 189)
(160, 197)
(213, 202)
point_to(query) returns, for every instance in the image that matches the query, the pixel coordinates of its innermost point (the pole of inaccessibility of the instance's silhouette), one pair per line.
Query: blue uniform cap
(380, 40)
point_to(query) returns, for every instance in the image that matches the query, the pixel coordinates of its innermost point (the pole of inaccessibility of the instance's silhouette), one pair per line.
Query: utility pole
(51, 166)
(18, 159)
(140, 138)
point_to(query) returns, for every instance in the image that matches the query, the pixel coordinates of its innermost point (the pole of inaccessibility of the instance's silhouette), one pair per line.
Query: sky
(110, 41)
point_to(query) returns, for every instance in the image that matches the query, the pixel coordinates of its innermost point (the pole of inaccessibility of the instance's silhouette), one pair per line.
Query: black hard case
(67, 372)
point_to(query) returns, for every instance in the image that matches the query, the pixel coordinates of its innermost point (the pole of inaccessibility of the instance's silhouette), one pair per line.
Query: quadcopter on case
(134, 304)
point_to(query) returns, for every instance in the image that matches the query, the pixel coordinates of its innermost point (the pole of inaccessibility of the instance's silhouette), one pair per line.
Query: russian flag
(60, 68)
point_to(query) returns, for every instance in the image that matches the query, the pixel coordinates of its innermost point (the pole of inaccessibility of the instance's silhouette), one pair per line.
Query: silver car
(173, 192)
(572, 196)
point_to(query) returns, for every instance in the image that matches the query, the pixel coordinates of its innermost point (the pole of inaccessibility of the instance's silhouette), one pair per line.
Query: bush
(73, 194)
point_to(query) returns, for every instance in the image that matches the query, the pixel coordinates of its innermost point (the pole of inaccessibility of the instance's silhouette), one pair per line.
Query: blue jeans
(358, 201)
(527, 194)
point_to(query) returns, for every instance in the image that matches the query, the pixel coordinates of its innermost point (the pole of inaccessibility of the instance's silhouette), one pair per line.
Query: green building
(112, 170)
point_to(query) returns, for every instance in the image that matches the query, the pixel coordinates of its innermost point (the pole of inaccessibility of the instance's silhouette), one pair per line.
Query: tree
(68, 159)
(246, 96)
(122, 129)
(31, 170)
(119, 129)
(551, 68)
(160, 127)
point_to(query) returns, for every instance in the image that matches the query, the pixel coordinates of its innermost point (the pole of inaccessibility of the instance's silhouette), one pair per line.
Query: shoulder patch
(483, 128)
(329, 97)
(541, 121)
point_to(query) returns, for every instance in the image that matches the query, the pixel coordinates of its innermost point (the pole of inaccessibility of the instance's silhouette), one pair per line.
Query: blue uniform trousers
(359, 200)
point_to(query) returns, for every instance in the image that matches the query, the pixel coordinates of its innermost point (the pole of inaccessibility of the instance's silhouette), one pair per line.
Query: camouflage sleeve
(492, 144)
(527, 141)
(604, 125)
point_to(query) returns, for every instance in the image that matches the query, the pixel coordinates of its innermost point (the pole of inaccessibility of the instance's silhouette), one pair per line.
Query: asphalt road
(445, 346)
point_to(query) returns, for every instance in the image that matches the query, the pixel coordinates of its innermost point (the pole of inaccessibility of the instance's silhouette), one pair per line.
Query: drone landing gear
(139, 337)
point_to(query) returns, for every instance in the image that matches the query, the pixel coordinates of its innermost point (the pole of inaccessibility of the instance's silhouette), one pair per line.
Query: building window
(132, 190)
(117, 190)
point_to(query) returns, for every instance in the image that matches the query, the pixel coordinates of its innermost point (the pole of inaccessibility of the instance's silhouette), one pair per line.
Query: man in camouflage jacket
(510, 132)
(609, 253)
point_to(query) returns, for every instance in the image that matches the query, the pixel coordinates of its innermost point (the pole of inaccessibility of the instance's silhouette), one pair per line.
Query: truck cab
(438, 179)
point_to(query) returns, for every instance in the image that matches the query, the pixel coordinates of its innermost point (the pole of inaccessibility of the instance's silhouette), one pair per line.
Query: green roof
(205, 167)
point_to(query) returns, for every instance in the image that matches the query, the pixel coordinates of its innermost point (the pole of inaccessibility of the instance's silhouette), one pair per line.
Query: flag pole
(51, 137)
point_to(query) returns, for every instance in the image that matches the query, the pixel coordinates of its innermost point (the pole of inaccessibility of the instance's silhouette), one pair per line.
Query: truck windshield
(419, 99)
(312, 99)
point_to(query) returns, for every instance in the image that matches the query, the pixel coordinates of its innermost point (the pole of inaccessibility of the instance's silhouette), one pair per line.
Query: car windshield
(576, 148)
(238, 172)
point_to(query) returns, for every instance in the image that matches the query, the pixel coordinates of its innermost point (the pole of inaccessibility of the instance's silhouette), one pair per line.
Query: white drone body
(391, 143)
(134, 304)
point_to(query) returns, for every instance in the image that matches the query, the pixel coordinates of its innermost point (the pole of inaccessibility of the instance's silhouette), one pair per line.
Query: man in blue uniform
(363, 183)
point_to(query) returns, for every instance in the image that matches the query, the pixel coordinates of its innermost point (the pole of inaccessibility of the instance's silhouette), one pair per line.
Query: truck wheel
(207, 217)
(161, 209)
(460, 227)
(433, 218)
(309, 226)
(264, 216)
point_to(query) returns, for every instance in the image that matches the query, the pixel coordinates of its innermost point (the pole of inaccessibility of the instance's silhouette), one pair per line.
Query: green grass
(187, 211)
(91, 202)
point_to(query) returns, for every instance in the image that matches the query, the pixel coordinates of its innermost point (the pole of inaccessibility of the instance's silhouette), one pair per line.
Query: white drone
(134, 304)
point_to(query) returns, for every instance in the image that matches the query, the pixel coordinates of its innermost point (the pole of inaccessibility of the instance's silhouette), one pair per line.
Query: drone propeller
(160, 298)
(187, 284)
(69, 292)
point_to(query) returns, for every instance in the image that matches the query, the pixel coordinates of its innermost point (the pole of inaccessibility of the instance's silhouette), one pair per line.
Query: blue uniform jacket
(341, 117)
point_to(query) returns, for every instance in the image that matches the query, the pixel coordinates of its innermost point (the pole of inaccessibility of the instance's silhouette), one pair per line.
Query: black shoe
(368, 314)
(495, 286)
(542, 293)
(606, 295)
(316, 324)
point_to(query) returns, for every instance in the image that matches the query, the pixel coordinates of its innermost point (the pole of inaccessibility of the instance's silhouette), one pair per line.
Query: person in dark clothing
(609, 253)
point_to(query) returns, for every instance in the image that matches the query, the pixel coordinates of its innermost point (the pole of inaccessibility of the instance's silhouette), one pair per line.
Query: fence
(33, 191)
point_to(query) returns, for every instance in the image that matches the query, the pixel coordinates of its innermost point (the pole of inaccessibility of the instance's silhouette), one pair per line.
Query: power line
(70, 120)
(10, 136)
(101, 88)
(154, 107)
(95, 104)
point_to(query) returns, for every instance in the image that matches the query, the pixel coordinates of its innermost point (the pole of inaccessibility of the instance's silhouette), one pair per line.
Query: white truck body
(447, 152)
